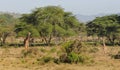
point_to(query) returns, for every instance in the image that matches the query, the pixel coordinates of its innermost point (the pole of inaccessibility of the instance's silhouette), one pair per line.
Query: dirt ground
(10, 59)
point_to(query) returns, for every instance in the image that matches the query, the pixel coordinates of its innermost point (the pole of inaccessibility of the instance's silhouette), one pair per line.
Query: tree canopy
(7, 23)
(106, 26)
(50, 21)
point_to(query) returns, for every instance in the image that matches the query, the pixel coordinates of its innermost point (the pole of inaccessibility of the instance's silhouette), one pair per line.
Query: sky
(83, 7)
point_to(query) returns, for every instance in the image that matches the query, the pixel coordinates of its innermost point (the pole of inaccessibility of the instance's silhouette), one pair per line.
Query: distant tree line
(52, 22)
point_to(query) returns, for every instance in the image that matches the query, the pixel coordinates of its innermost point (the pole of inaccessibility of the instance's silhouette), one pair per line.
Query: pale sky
(84, 7)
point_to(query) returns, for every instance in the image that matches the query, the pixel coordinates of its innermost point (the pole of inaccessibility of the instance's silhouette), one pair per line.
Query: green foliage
(70, 20)
(74, 46)
(66, 46)
(49, 22)
(45, 29)
(106, 26)
(7, 23)
(22, 29)
(7, 19)
(73, 57)
(73, 52)
(60, 31)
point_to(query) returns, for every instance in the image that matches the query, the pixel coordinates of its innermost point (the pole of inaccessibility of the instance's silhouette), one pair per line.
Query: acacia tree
(51, 21)
(7, 23)
(105, 27)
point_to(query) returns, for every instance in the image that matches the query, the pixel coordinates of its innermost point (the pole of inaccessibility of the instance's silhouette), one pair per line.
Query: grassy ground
(12, 59)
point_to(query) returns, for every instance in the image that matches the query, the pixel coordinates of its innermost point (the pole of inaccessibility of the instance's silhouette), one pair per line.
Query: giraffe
(26, 40)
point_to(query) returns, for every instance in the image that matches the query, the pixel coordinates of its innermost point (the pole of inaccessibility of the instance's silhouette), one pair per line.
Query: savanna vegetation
(57, 40)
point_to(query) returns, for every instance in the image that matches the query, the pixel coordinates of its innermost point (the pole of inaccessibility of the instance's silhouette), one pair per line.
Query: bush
(117, 56)
(64, 58)
(47, 59)
(57, 61)
(73, 52)
(73, 46)
(67, 46)
(73, 57)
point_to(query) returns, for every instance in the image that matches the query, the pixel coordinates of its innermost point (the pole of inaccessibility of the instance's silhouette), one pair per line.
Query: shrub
(63, 58)
(73, 57)
(57, 61)
(117, 56)
(47, 59)
(73, 46)
(73, 52)
(67, 47)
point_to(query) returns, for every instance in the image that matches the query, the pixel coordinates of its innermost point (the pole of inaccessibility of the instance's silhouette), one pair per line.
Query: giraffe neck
(28, 36)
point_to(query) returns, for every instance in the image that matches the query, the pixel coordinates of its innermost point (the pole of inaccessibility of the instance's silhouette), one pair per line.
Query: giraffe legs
(26, 45)
(26, 41)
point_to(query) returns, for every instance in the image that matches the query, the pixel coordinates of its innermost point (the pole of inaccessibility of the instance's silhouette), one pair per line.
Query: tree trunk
(104, 45)
(112, 40)
(48, 41)
(3, 38)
